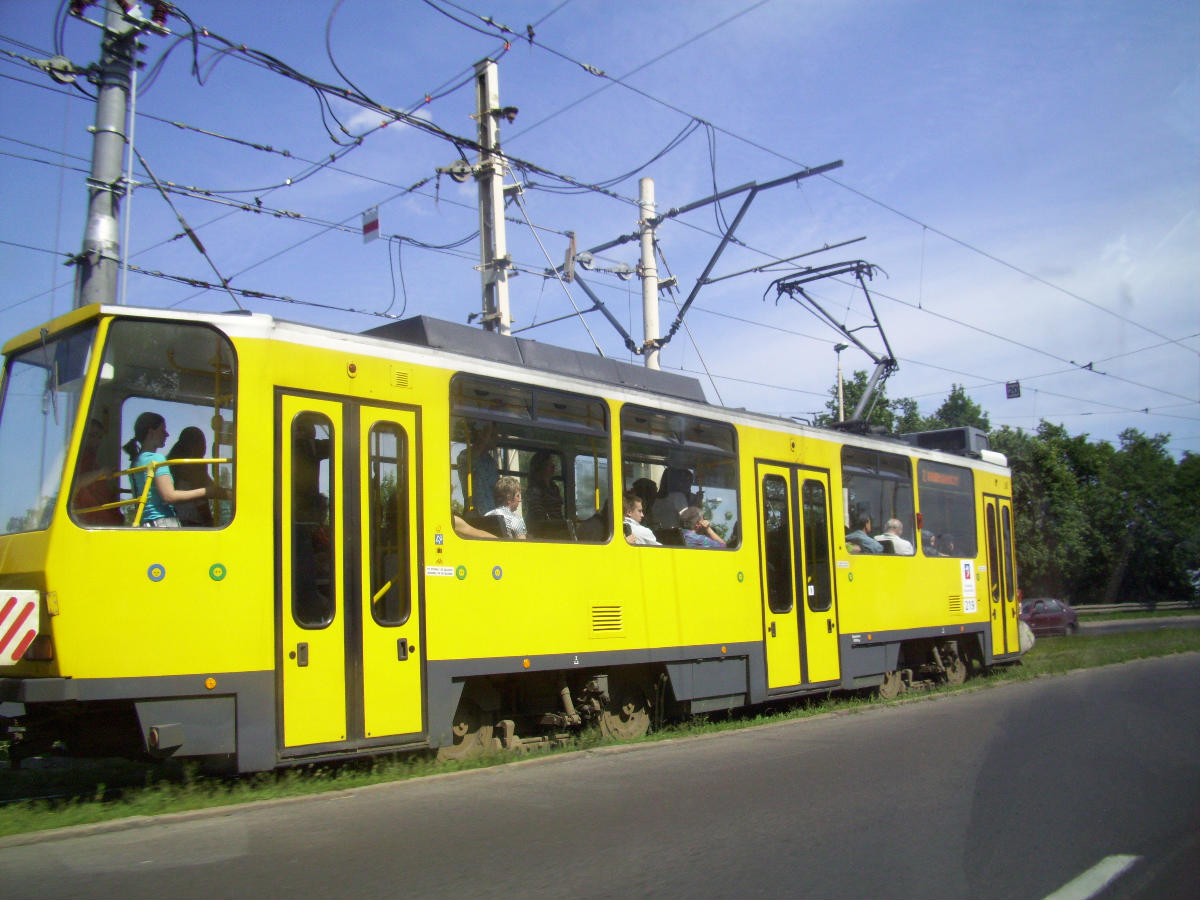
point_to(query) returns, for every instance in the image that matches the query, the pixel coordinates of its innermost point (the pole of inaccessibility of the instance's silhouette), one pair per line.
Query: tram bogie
(351, 583)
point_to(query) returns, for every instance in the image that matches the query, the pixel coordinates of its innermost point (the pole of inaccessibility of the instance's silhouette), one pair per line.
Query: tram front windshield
(42, 386)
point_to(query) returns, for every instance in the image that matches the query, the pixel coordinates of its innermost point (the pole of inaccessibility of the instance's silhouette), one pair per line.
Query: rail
(140, 500)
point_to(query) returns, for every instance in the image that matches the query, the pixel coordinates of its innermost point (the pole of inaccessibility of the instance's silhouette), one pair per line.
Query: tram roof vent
(965, 441)
(438, 334)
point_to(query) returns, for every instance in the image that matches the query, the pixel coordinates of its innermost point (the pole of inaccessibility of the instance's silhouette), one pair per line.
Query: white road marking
(1095, 879)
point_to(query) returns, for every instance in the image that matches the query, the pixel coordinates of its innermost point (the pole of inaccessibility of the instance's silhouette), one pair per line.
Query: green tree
(959, 410)
(1049, 517)
(893, 416)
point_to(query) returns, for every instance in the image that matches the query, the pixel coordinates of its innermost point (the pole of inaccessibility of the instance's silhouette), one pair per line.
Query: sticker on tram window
(968, 582)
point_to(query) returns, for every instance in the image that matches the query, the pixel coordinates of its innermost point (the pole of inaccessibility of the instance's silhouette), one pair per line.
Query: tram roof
(438, 334)
(474, 343)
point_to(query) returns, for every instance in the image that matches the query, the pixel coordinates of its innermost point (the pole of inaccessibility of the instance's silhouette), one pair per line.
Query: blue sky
(1027, 175)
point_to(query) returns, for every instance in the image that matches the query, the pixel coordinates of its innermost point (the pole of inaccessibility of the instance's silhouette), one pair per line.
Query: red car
(1046, 615)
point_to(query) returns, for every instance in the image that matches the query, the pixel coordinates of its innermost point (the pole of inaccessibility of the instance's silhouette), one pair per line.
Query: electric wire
(521, 204)
(946, 235)
(1168, 340)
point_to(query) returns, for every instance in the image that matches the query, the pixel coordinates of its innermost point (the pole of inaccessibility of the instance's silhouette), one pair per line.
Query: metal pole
(838, 348)
(123, 297)
(649, 272)
(100, 259)
(493, 251)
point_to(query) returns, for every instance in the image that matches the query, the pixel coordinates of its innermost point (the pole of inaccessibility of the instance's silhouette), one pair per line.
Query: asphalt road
(1011, 791)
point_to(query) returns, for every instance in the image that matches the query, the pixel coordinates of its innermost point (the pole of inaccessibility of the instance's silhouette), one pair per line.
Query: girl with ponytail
(149, 436)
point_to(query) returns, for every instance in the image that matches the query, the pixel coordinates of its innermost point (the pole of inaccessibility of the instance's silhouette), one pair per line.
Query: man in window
(697, 530)
(635, 532)
(859, 539)
(891, 534)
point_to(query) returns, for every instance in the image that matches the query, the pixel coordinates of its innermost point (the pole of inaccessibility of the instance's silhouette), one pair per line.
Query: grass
(1085, 616)
(80, 792)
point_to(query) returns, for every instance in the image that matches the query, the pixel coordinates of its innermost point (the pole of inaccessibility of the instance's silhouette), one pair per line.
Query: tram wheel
(472, 731)
(627, 716)
(891, 687)
(956, 671)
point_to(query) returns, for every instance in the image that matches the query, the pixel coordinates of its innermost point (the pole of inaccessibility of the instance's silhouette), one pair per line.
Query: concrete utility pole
(648, 269)
(96, 280)
(494, 261)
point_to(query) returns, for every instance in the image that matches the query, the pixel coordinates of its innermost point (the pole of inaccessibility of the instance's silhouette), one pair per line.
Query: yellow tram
(347, 586)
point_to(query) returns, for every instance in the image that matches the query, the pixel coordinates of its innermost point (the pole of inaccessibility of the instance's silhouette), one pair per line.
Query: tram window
(1009, 574)
(993, 554)
(314, 582)
(42, 387)
(816, 546)
(387, 486)
(777, 543)
(183, 372)
(555, 443)
(878, 485)
(947, 497)
(686, 461)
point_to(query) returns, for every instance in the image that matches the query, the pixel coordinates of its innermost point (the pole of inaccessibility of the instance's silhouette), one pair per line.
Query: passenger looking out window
(553, 443)
(149, 435)
(697, 530)
(508, 497)
(154, 372)
(877, 488)
(859, 540)
(192, 445)
(675, 494)
(543, 500)
(635, 532)
(891, 538)
(673, 461)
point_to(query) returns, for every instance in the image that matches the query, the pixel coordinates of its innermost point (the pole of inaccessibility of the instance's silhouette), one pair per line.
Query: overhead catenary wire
(864, 195)
(950, 318)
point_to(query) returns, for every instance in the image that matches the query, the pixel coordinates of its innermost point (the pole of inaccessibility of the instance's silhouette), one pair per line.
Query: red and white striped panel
(20, 617)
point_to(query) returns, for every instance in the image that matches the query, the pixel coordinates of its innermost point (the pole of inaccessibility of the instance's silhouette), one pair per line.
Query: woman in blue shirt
(149, 436)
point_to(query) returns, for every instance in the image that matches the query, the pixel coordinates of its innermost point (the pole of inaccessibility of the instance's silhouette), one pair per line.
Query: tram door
(1002, 574)
(349, 609)
(799, 608)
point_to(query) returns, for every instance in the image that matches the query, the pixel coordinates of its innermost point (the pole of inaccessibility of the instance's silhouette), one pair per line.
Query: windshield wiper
(51, 376)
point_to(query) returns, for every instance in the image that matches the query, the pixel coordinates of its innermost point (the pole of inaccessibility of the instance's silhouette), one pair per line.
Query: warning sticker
(440, 571)
(20, 620)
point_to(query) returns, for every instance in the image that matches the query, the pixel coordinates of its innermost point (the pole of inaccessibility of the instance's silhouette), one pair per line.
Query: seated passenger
(149, 436)
(929, 543)
(859, 539)
(543, 501)
(674, 495)
(891, 534)
(192, 445)
(507, 492)
(697, 530)
(464, 529)
(648, 491)
(635, 532)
